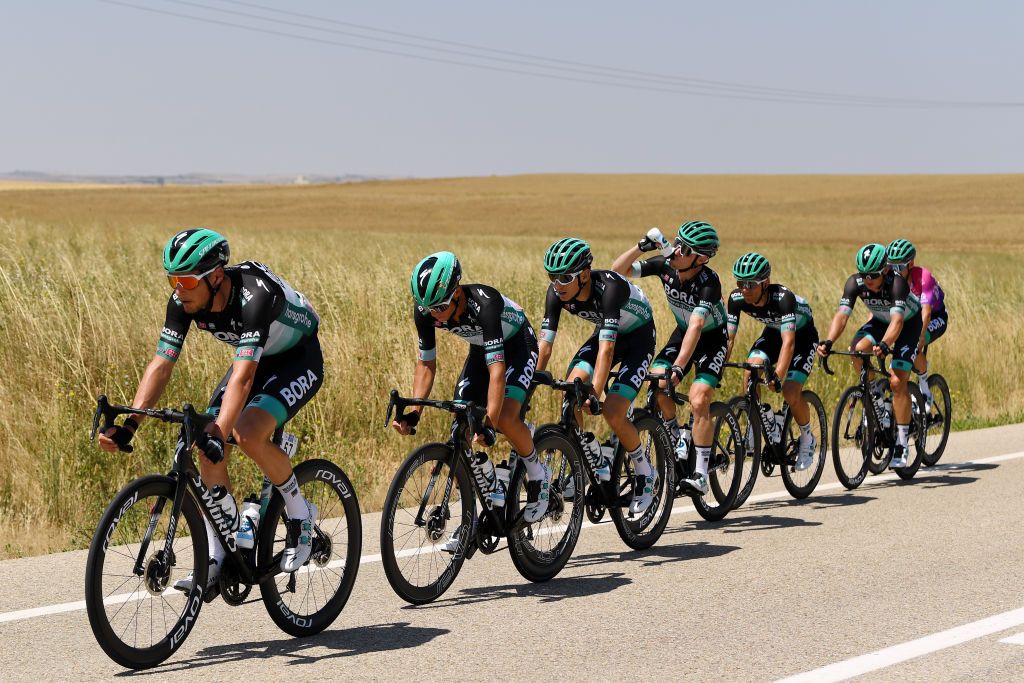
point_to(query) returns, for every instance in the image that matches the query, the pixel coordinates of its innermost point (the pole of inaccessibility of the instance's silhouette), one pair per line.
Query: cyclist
(278, 366)
(894, 328)
(901, 255)
(699, 341)
(625, 336)
(788, 340)
(497, 373)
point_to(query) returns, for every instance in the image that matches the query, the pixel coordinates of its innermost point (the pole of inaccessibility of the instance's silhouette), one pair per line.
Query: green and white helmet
(900, 251)
(699, 236)
(751, 266)
(195, 250)
(567, 255)
(435, 278)
(871, 258)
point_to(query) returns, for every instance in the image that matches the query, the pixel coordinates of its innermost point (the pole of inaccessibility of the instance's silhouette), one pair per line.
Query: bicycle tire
(943, 410)
(789, 478)
(725, 468)
(319, 480)
(747, 419)
(118, 516)
(645, 531)
(863, 437)
(429, 454)
(532, 562)
(917, 418)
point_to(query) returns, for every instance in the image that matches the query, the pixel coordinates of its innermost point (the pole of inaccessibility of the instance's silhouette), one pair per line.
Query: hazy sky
(92, 87)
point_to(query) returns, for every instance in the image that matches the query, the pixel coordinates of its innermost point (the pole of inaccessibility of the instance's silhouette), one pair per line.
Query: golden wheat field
(82, 297)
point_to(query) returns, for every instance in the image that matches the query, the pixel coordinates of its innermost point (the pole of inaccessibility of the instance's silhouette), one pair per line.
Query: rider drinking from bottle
(278, 366)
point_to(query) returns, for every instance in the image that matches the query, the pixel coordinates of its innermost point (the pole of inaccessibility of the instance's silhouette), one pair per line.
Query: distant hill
(185, 179)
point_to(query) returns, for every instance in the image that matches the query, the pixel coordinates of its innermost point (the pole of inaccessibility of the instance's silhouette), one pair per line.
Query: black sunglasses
(750, 284)
(872, 276)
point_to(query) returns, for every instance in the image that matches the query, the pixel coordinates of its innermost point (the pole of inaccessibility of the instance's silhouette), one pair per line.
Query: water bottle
(246, 536)
(596, 457)
(483, 473)
(883, 410)
(265, 492)
(229, 520)
(502, 473)
(683, 444)
(768, 417)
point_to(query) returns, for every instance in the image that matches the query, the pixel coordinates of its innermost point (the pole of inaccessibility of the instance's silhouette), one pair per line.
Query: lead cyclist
(278, 366)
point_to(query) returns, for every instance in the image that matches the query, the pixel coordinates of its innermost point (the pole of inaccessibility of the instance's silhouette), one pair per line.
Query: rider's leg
(701, 396)
(253, 433)
(511, 425)
(900, 404)
(615, 411)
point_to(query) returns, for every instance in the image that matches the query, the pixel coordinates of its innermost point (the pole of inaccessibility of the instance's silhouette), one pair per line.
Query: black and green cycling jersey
(894, 297)
(490, 319)
(701, 295)
(264, 316)
(615, 305)
(782, 310)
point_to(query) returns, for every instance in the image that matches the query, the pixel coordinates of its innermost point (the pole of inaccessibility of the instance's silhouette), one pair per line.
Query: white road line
(873, 661)
(61, 608)
(1014, 640)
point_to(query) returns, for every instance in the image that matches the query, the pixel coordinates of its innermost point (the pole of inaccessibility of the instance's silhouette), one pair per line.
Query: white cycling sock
(215, 547)
(805, 432)
(903, 434)
(641, 465)
(703, 457)
(534, 470)
(294, 503)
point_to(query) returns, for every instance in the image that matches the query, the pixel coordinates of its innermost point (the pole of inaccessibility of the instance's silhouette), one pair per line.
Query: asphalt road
(915, 581)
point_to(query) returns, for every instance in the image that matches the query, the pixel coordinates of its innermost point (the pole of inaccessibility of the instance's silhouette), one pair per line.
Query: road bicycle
(430, 524)
(864, 426)
(772, 438)
(615, 495)
(938, 419)
(152, 533)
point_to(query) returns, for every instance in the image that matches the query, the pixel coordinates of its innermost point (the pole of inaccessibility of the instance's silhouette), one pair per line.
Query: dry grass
(81, 298)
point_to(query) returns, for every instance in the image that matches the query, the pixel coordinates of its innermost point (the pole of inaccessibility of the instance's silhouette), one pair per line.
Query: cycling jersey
(263, 316)
(701, 295)
(926, 287)
(615, 305)
(783, 310)
(488, 321)
(894, 298)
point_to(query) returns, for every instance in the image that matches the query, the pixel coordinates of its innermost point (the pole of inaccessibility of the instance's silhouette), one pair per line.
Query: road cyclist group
(168, 543)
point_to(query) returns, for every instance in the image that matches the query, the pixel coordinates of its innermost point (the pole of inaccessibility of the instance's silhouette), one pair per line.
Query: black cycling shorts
(283, 383)
(707, 358)
(936, 326)
(520, 364)
(904, 351)
(633, 353)
(769, 345)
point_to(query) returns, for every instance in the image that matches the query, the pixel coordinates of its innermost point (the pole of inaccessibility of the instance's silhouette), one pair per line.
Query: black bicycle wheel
(137, 617)
(801, 484)
(881, 453)
(540, 550)
(411, 543)
(939, 419)
(853, 438)
(749, 426)
(917, 433)
(725, 468)
(308, 601)
(644, 531)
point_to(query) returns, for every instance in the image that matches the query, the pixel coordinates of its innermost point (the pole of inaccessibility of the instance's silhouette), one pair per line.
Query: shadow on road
(326, 645)
(814, 502)
(555, 590)
(657, 554)
(940, 477)
(739, 524)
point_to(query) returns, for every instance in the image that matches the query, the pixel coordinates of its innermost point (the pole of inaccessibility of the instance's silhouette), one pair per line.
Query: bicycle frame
(760, 374)
(865, 383)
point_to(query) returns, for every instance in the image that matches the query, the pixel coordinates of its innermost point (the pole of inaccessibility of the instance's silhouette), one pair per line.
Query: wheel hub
(436, 523)
(323, 548)
(157, 574)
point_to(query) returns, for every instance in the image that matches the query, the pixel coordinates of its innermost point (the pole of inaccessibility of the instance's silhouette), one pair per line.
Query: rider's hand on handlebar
(211, 443)
(824, 348)
(406, 425)
(118, 437)
(881, 349)
(677, 375)
(486, 436)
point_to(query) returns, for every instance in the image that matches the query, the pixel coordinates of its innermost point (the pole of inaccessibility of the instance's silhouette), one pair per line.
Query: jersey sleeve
(733, 312)
(787, 312)
(900, 292)
(426, 335)
(849, 297)
(172, 336)
(614, 297)
(708, 296)
(257, 315)
(552, 311)
(651, 266)
(928, 285)
(492, 305)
